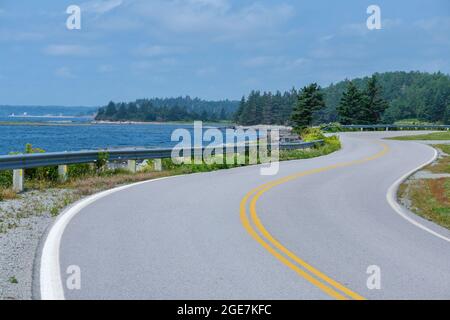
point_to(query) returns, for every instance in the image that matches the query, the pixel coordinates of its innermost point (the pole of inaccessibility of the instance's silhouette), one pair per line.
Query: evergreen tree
(222, 114)
(238, 115)
(350, 105)
(374, 106)
(111, 109)
(310, 99)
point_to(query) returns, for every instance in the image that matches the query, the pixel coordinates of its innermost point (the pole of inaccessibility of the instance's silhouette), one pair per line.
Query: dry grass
(7, 194)
(93, 184)
(430, 198)
(443, 164)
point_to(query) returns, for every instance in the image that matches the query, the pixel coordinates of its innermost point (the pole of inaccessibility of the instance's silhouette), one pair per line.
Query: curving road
(310, 232)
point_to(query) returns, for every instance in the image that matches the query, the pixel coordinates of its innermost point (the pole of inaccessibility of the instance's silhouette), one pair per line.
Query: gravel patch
(23, 221)
(433, 141)
(429, 175)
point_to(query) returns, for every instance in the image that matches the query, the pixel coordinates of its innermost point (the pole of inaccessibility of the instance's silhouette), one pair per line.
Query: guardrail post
(62, 173)
(157, 164)
(18, 180)
(132, 166)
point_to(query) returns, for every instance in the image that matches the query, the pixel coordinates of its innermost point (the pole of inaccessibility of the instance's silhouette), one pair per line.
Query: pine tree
(310, 99)
(237, 117)
(350, 105)
(222, 114)
(374, 105)
(267, 108)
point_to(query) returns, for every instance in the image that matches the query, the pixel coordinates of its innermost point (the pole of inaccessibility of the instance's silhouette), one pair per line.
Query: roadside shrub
(6, 178)
(167, 164)
(79, 170)
(43, 173)
(102, 161)
(311, 134)
(332, 143)
(113, 172)
(332, 127)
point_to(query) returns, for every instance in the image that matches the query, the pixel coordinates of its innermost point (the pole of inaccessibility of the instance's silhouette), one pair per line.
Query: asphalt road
(311, 235)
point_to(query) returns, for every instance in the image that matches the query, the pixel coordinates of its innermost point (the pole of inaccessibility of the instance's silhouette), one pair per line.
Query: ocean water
(80, 135)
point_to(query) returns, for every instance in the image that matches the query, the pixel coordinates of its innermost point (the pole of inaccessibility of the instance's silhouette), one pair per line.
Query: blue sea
(69, 131)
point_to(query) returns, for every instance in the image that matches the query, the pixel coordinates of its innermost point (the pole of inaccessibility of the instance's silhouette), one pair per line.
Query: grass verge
(429, 198)
(444, 135)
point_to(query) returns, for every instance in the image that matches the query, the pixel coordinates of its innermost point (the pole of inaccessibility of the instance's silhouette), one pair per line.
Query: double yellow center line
(287, 257)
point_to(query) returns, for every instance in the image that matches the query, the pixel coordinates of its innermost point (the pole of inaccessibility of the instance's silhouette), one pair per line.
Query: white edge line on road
(50, 282)
(391, 197)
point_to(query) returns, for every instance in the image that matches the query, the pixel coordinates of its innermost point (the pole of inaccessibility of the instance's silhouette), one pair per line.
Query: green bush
(6, 177)
(42, 173)
(102, 161)
(332, 127)
(79, 170)
(113, 172)
(311, 134)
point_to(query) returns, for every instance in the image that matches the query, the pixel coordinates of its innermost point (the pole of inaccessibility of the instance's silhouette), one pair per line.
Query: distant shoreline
(156, 122)
(36, 123)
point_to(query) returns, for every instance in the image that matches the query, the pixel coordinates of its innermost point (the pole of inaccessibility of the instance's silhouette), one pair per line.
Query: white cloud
(216, 17)
(326, 38)
(119, 23)
(217, 4)
(279, 62)
(205, 71)
(441, 23)
(64, 72)
(105, 68)
(19, 36)
(156, 50)
(354, 29)
(160, 65)
(391, 23)
(69, 50)
(100, 6)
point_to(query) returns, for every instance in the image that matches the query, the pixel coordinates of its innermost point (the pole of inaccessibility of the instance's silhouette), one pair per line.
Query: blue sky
(213, 49)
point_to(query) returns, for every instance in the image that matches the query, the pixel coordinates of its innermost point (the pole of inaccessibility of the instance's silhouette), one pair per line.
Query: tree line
(168, 109)
(382, 98)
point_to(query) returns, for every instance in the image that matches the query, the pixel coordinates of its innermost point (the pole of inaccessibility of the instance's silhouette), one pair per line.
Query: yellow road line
(258, 192)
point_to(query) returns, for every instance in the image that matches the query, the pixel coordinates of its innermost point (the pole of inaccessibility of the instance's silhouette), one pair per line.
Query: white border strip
(50, 282)
(391, 197)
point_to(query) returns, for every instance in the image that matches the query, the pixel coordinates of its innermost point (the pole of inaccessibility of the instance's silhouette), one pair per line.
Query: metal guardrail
(398, 126)
(35, 160)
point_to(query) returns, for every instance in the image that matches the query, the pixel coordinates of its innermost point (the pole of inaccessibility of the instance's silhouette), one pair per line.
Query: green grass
(444, 147)
(444, 135)
(430, 199)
